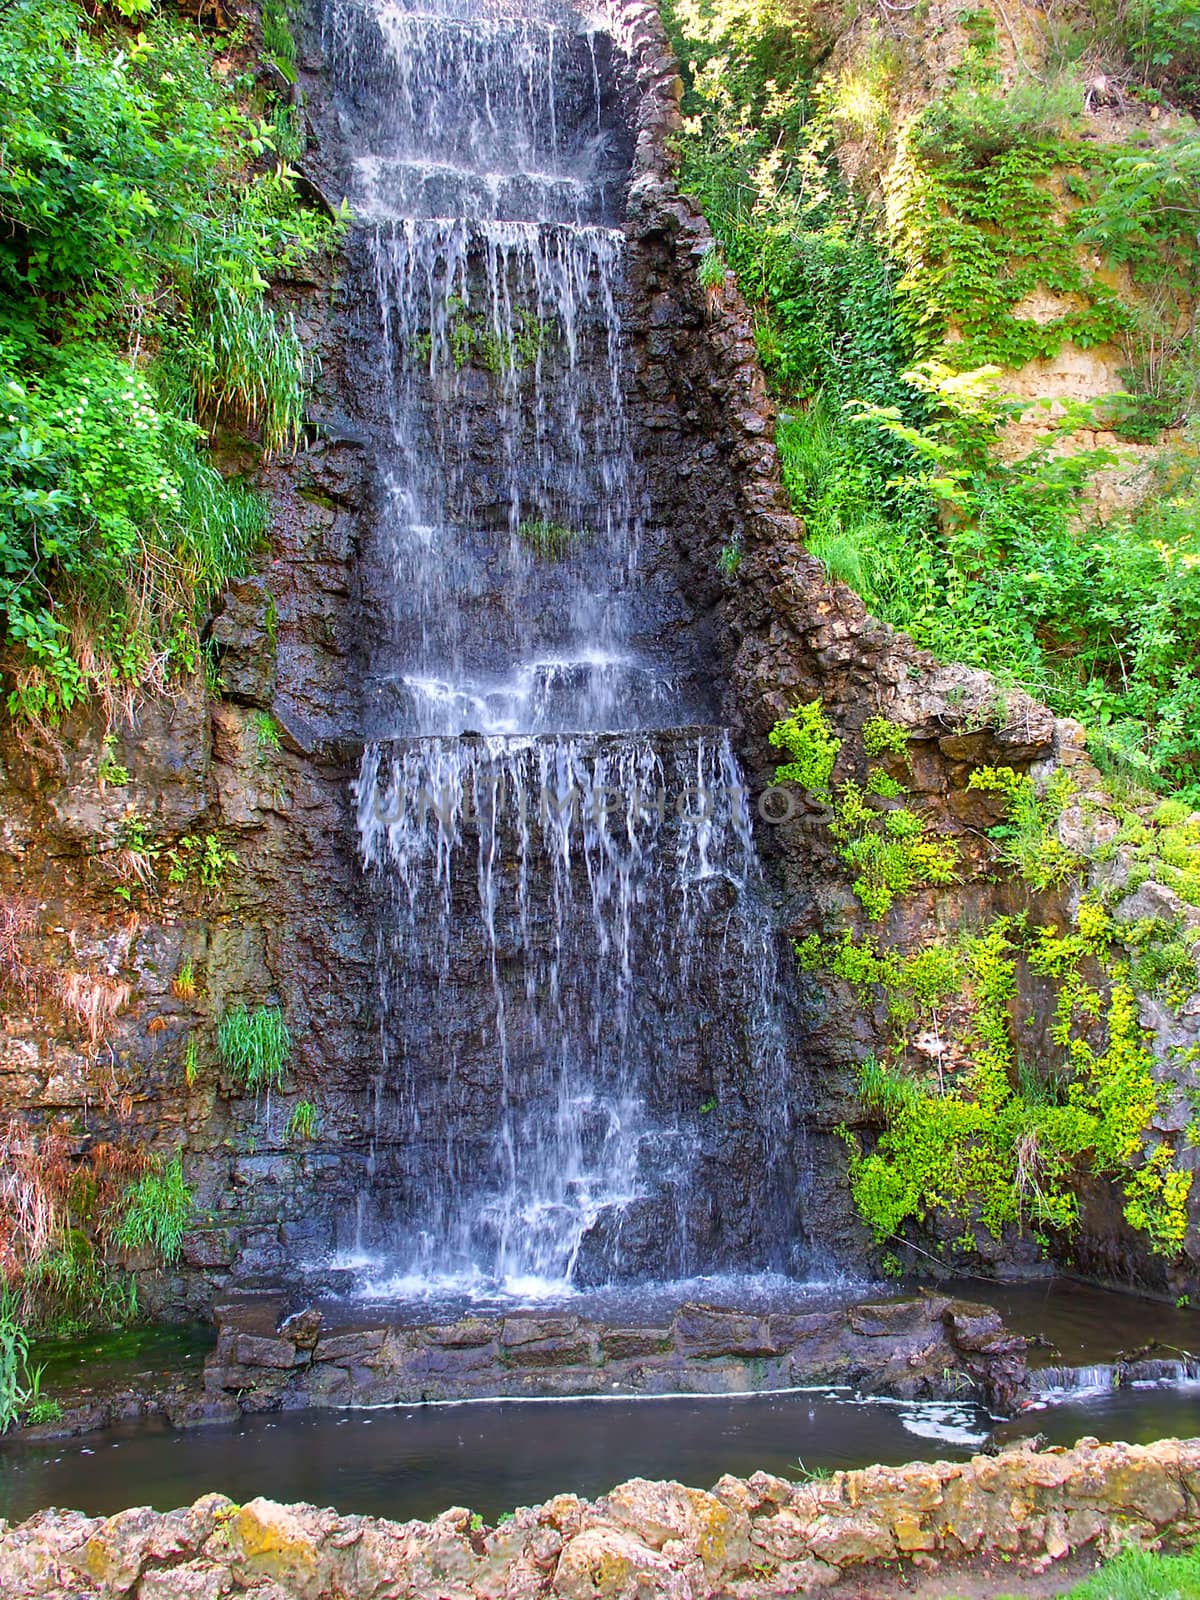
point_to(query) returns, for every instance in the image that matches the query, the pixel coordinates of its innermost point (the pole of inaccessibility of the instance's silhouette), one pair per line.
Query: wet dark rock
(710, 1331)
(302, 1328)
(250, 1351)
(925, 1347)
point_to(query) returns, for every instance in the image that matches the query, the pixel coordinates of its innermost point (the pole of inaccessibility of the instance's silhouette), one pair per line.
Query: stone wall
(930, 1347)
(749, 1539)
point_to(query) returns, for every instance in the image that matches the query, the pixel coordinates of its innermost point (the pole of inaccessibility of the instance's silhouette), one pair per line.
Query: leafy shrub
(881, 737)
(255, 1045)
(156, 1211)
(201, 861)
(808, 739)
(891, 852)
(134, 254)
(1026, 839)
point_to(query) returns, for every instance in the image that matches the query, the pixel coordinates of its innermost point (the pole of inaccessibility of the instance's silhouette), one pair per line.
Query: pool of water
(413, 1461)
(1080, 1324)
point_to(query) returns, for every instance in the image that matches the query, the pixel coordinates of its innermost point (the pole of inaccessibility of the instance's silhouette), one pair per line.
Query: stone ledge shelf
(930, 1346)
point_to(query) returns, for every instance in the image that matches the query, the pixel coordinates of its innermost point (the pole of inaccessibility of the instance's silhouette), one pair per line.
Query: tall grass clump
(247, 365)
(156, 1210)
(255, 1046)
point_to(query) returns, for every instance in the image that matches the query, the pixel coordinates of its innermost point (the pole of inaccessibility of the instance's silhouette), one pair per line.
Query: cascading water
(580, 1076)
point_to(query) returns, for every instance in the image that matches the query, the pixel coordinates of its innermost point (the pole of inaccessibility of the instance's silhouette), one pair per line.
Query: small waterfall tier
(571, 933)
(581, 1076)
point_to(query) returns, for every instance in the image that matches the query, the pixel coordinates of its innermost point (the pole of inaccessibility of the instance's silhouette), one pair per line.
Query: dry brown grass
(93, 1000)
(48, 1196)
(31, 1216)
(17, 918)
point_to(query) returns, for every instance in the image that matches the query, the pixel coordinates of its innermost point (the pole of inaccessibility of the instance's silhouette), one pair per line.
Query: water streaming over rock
(580, 1073)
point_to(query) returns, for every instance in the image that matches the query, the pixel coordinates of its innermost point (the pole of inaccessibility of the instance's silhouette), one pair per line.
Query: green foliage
(246, 365)
(808, 739)
(255, 1046)
(713, 268)
(548, 540)
(136, 245)
(302, 1125)
(883, 784)
(473, 338)
(21, 1397)
(279, 41)
(884, 1090)
(729, 560)
(1142, 1575)
(14, 1355)
(156, 1211)
(109, 770)
(71, 1289)
(201, 862)
(880, 331)
(881, 737)
(891, 852)
(1158, 39)
(266, 733)
(191, 1061)
(43, 1409)
(1026, 839)
(978, 229)
(1164, 960)
(980, 1139)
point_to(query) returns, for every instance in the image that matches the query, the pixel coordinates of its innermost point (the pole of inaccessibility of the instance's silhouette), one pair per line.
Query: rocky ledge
(749, 1539)
(929, 1346)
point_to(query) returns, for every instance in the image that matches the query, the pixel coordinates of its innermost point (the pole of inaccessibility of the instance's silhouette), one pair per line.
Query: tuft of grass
(279, 41)
(882, 1089)
(255, 1045)
(729, 560)
(1142, 1575)
(266, 733)
(712, 269)
(156, 1210)
(302, 1125)
(547, 539)
(248, 365)
(183, 984)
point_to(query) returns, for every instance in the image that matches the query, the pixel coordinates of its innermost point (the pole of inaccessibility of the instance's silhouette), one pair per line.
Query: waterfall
(581, 1075)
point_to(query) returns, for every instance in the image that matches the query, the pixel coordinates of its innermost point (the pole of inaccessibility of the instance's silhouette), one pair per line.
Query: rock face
(749, 1539)
(292, 926)
(923, 1348)
(783, 633)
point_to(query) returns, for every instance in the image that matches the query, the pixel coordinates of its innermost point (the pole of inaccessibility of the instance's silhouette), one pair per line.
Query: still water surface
(415, 1461)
